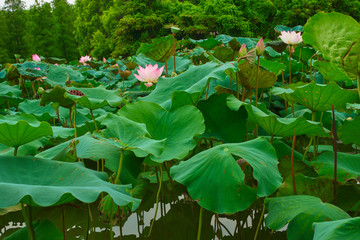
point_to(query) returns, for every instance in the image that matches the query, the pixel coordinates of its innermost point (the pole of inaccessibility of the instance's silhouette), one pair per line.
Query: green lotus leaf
(54, 60)
(319, 97)
(97, 148)
(303, 54)
(234, 44)
(276, 126)
(353, 106)
(226, 39)
(44, 230)
(9, 91)
(272, 66)
(332, 34)
(247, 76)
(67, 181)
(346, 229)
(224, 54)
(278, 46)
(3, 74)
(206, 44)
(95, 98)
(221, 122)
(176, 128)
(348, 165)
(60, 75)
(17, 130)
(349, 132)
(182, 63)
(348, 196)
(61, 132)
(28, 149)
(56, 95)
(216, 181)
(331, 72)
(320, 187)
(300, 211)
(43, 113)
(160, 50)
(128, 134)
(351, 61)
(281, 28)
(193, 81)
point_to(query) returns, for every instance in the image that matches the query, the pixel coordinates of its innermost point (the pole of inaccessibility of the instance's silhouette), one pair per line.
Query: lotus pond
(236, 138)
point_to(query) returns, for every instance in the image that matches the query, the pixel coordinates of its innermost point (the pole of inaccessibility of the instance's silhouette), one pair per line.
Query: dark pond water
(177, 220)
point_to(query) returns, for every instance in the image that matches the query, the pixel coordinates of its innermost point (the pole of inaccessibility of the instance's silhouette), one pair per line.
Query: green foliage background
(118, 27)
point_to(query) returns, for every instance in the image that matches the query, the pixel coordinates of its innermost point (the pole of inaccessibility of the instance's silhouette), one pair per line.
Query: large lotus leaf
(2, 73)
(43, 113)
(346, 229)
(300, 211)
(319, 97)
(303, 54)
(277, 46)
(95, 98)
(281, 28)
(216, 181)
(331, 72)
(9, 91)
(274, 67)
(349, 132)
(56, 95)
(97, 148)
(176, 127)
(320, 187)
(128, 134)
(193, 81)
(247, 76)
(43, 231)
(277, 126)
(226, 39)
(59, 75)
(221, 122)
(351, 61)
(332, 34)
(224, 54)
(160, 50)
(44, 182)
(182, 63)
(348, 165)
(61, 132)
(17, 130)
(206, 44)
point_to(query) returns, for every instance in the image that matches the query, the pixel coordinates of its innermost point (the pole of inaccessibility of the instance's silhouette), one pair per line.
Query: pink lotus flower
(291, 38)
(36, 58)
(83, 59)
(56, 64)
(260, 47)
(104, 60)
(149, 75)
(37, 68)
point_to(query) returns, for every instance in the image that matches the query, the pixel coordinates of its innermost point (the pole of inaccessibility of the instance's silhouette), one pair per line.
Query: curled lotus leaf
(27, 180)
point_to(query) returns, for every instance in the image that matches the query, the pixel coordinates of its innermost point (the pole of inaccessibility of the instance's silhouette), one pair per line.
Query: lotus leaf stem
(260, 222)
(174, 40)
(157, 201)
(166, 68)
(292, 162)
(28, 221)
(335, 151)
(16, 150)
(257, 82)
(92, 116)
(200, 224)
(290, 64)
(111, 220)
(120, 166)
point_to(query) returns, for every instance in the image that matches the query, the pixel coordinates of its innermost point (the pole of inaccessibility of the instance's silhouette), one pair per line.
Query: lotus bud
(36, 58)
(124, 74)
(104, 60)
(260, 47)
(243, 51)
(40, 90)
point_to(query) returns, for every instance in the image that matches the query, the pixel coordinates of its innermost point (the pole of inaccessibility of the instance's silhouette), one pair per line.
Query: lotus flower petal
(36, 58)
(291, 38)
(149, 74)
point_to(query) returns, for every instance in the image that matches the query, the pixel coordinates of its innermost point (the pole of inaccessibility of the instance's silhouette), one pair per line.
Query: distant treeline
(105, 28)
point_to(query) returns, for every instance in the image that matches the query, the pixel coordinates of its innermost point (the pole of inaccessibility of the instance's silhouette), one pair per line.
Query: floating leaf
(206, 44)
(247, 76)
(176, 128)
(67, 181)
(59, 75)
(56, 95)
(300, 211)
(215, 180)
(43, 113)
(346, 229)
